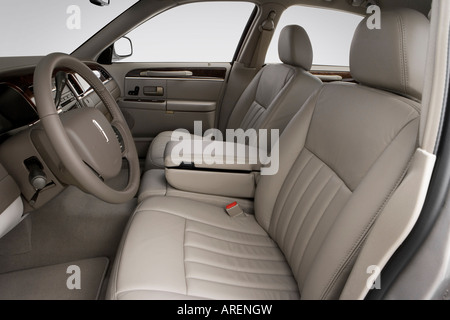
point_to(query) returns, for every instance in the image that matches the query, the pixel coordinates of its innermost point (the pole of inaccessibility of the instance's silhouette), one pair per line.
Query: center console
(212, 167)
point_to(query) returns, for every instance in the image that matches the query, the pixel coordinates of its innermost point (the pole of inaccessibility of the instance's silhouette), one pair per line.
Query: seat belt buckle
(233, 209)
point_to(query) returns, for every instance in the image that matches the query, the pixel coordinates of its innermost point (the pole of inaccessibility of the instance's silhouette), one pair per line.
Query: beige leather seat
(271, 98)
(342, 158)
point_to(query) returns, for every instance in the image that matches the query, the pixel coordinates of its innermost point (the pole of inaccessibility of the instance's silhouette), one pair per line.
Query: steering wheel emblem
(99, 127)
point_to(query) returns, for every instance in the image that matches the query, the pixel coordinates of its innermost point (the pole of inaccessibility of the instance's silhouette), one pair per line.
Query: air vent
(105, 74)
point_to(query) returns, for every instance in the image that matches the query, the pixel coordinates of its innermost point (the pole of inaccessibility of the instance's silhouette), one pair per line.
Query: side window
(196, 32)
(330, 31)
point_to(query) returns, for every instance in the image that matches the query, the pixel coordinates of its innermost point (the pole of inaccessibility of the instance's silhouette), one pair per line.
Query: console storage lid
(212, 167)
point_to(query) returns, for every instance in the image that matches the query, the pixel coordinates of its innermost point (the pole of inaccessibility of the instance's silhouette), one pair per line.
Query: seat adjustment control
(134, 92)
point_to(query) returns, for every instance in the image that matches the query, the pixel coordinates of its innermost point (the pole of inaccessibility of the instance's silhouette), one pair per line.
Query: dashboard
(24, 146)
(18, 106)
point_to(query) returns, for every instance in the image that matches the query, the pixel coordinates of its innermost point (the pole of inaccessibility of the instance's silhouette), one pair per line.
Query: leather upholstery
(155, 155)
(342, 158)
(191, 248)
(271, 99)
(154, 183)
(294, 47)
(325, 205)
(394, 61)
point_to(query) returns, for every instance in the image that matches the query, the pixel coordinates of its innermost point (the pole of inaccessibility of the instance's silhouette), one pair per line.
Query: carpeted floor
(50, 283)
(73, 226)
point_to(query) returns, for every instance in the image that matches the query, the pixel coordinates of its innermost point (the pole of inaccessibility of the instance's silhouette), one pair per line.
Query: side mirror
(100, 3)
(123, 48)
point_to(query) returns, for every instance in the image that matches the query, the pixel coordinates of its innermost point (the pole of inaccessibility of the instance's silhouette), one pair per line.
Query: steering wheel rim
(83, 174)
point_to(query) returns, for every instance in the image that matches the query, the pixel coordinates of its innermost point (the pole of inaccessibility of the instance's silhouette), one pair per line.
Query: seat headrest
(294, 47)
(392, 58)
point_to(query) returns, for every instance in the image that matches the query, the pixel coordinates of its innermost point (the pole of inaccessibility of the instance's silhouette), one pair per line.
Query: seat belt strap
(266, 29)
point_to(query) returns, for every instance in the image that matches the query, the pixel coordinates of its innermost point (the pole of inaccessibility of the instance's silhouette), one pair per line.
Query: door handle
(167, 74)
(153, 91)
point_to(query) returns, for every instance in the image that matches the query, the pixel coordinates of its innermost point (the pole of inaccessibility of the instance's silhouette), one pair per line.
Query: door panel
(162, 97)
(197, 90)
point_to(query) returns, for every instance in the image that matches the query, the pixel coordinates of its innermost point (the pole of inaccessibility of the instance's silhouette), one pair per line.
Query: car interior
(97, 202)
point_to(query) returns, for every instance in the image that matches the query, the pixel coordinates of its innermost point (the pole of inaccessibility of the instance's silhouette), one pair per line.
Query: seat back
(345, 153)
(273, 96)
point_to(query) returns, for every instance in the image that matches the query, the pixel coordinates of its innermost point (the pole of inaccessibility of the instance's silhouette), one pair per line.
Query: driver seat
(342, 157)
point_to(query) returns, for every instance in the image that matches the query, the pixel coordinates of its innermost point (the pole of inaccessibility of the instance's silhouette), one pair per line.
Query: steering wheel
(89, 147)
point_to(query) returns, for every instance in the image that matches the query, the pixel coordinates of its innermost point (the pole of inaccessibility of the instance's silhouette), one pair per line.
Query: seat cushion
(182, 249)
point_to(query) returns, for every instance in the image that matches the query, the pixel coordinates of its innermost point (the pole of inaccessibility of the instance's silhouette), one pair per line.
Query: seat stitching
(305, 216)
(263, 70)
(384, 150)
(213, 254)
(315, 97)
(315, 227)
(230, 114)
(393, 95)
(249, 114)
(258, 114)
(249, 118)
(228, 255)
(230, 241)
(294, 182)
(292, 213)
(357, 244)
(298, 204)
(337, 175)
(184, 256)
(118, 259)
(381, 153)
(245, 287)
(404, 62)
(207, 224)
(288, 76)
(279, 99)
(152, 290)
(273, 107)
(241, 271)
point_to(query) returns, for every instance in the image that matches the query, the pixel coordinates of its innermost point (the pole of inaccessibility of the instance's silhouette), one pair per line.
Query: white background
(198, 32)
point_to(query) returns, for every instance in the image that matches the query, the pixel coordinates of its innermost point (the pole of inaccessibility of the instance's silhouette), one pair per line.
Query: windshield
(35, 28)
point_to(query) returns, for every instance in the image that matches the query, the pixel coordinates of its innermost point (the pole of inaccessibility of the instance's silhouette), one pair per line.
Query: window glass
(197, 32)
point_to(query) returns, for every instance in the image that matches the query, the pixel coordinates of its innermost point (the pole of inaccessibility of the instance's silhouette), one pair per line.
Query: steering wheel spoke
(119, 134)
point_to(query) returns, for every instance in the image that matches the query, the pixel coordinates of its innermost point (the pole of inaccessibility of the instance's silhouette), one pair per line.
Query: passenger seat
(271, 98)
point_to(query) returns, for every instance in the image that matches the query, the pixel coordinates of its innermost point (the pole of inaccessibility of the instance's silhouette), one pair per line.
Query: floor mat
(53, 282)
